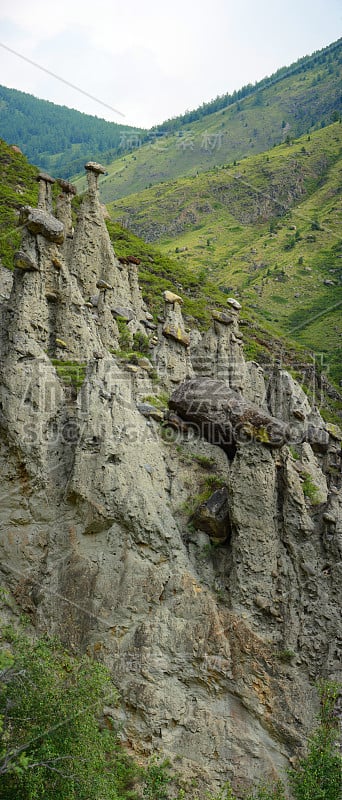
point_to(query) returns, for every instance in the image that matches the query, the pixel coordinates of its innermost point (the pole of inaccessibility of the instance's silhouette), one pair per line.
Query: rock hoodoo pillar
(45, 194)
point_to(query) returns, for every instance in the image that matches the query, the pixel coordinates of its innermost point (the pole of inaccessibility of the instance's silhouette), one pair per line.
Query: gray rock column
(45, 195)
(172, 354)
(63, 205)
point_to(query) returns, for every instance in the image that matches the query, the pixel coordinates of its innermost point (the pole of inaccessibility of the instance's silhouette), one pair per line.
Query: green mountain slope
(18, 187)
(296, 101)
(268, 229)
(56, 138)
(203, 287)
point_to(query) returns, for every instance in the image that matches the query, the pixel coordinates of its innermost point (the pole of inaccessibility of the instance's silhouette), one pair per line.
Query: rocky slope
(204, 571)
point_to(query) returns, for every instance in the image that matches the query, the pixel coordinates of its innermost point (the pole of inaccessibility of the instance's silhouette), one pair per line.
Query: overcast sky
(152, 60)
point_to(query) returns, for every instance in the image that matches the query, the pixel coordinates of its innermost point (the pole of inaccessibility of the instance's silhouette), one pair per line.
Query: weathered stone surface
(41, 222)
(334, 430)
(221, 316)
(67, 187)
(212, 517)
(23, 261)
(6, 282)
(234, 303)
(95, 543)
(92, 166)
(125, 313)
(175, 332)
(223, 416)
(171, 297)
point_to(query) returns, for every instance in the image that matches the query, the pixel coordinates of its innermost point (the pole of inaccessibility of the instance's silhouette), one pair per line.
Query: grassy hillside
(268, 229)
(56, 138)
(299, 100)
(18, 187)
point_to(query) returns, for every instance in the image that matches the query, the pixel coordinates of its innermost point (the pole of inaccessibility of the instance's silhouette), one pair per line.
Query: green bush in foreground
(319, 775)
(55, 743)
(51, 744)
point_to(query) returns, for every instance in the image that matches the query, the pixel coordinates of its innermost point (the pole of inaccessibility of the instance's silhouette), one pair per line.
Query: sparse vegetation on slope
(268, 229)
(17, 188)
(274, 111)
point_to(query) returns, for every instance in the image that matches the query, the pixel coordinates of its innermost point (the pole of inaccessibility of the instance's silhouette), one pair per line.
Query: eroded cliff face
(215, 614)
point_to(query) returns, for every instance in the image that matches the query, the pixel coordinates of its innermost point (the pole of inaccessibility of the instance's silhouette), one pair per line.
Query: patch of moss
(310, 489)
(18, 187)
(71, 373)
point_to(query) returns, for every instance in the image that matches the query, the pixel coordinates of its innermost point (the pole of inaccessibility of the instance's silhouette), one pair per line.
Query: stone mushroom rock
(219, 354)
(221, 316)
(39, 221)
(171, 297)
(43, 176)
(66, 186)
(174, 325)
(234, 303)
(223, 417)
(92, 166)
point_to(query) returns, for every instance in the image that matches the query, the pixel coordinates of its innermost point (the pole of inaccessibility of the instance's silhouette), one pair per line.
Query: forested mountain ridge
(267, 228)
(296, 101)
(302, 65)
(56, 138)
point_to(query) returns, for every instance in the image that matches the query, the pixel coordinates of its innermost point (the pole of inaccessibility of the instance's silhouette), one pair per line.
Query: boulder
(234, 303)
(175, 332)
(66, 186)
(220, 316)
(41, 222)
(92, 166)
(148, 410)
(212, 517)
(120, 312)
(103, 285)
(318, 438)
(171, 297)
(223, 417)
(23, 261)
(43, 176)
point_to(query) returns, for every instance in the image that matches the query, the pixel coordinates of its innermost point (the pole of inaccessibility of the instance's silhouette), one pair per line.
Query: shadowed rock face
(222, 415)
